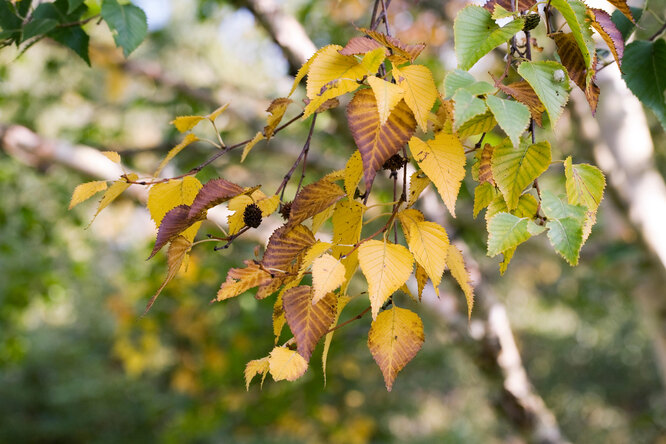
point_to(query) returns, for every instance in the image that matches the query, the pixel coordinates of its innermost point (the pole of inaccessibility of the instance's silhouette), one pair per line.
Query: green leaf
(506, 231)
(484, 193)
(516, 168)
(623, 24)
(476, 34)
(73, 4)
(585, 184)
(566, 236)
(459, 79)
(551, 88)
(482, 123)
(644, 65)
(127, 22)
(575, 13)
(466, 107)
(9, 21)
(38, 27)
(513, 117)
(554, 208)
(75, 39)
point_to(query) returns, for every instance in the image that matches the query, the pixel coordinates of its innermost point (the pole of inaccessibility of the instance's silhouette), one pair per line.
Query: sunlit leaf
(523, 92)
(284, 245)
(284, 363)
(565, 226)
(401, 51)
(163, 197)
(190, 138)
(519, 5)
(254, 368)
(85, 191)
(429, 242)
(216, 113)
(466, 107)
(484, 193)
(307, 321)
(373, 59)
(248, 147)
(396, 335)
(482, 123)
(327, 275)
(361, 45)
(418, 182)
(353, 173)
(275, 111)
(456, 263)
(387, 94)
(112, 156)
(112, 193)
(420, 91)
(186, 123)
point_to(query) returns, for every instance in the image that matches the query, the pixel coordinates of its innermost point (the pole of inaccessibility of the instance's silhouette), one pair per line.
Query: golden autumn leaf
(303, 70)
(443, 161)
(456, 264)
(421, 279)
(112, 193)
(386, 267)
(284, 246)
(417, 183)
(394, 339)
(320, 218)
(239, 280)
(164, 197)
(248, 147)
(347, 225)
(190, 138)
(284, 363)
(275, 111)
(85, 191)
(387, 94)
(353, 173)
(267, 205)
(215, 114)
(315, 251)
(186, 123)
(112, 156)
(401, 52)
(377, 142)
(254, 368)
(307, 321)
(408, 217)
(313, 199)
(327, 275)
(420, 91)
(429, 243)
(373, 59)
(178, 249)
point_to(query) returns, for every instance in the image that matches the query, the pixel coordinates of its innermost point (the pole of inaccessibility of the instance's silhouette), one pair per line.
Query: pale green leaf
(466, 107)
(513, 117)
(551, 88)
(506, 231)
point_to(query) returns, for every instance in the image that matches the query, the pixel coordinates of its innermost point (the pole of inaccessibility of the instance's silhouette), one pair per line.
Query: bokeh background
(78, 363)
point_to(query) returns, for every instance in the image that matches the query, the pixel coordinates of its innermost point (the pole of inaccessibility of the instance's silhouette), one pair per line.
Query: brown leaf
(178, 249)
(612, 36)
(401, 51)
(313, 199)
(360, 45)
(376, 142)
(308, 322)
(240, 280)
(173, 223)
(523, 92)
(284, 246)
(521, 5)
(214, 192)
(572, 59)
(276, 110)
(485, 171)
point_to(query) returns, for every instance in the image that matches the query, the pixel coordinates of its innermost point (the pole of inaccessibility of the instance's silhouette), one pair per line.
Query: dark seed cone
(394, 163)
(285, 211)
(531, 22)
(252, 216)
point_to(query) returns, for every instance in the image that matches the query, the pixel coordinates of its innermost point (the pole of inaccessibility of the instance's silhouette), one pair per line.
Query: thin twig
(355, 318)
(306, 148)
(659, 31)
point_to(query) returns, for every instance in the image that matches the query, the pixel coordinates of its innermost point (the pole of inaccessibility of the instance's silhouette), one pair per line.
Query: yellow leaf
(327, 275)
(420, 91)
(421, 279)
(85, 191)
(286, 364)
(174, 151)
(342, 302)
(275, 111)
(316, 250)
(347, 225)
(278, 317)
(417, 183)
(163, 197)
(456, 264)
(331, 74)
(307, 321)
(303, 70)
(386, 267)
(115, 190)
(394, 339)
(372, 59)
(257, 137)
(388, 95)
(319, 218)
(215, 114)
(401, 52)
(443, 161)
(186, 123)
(178, 249)
(253, 368)
(112, 156)
(408, 217)
(353, 173)
(428, 243)
(267, 205)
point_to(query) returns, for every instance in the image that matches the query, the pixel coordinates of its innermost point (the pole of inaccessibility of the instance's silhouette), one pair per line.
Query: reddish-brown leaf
(240, 280)
(313, 199)
(308, 322)
(608, 31)
(377, 142)
(523, 92)
(173, 223)
(284, 246)
(521, 5)
(214, 192)
(485, 171)
(572, 59)
(402, 51)
(360, 45)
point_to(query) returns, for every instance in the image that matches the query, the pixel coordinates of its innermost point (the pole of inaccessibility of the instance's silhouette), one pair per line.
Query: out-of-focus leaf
(127, 22)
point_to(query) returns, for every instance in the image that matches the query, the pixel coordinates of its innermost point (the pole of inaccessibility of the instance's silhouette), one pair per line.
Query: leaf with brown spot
(608, 31)
(485, 170)
(214, 192)
(178, 249)
(394, 339)
(417, 183)
(361, 45)
(308, 322)
(572, 59)
(521, 5)
(401, 52)
(377, 142)
(276, 111)
(239, 280)
(173, 223)
(523, 92)
(313, 199)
